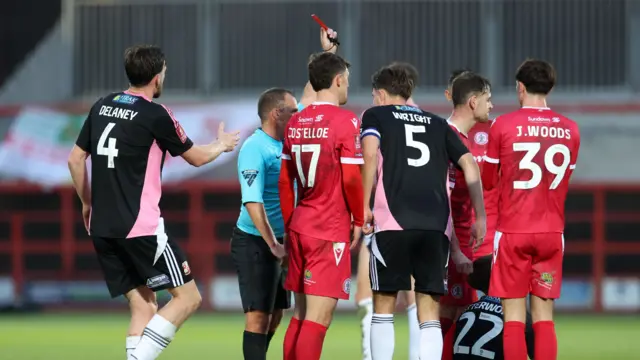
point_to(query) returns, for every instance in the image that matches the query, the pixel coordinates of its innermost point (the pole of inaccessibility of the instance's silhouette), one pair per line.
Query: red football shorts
(459, 293)
(487, 245)
(318, 267)
(527, 263)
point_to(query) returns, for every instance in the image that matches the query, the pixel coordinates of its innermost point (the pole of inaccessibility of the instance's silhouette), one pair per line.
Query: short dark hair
(270, 99)
(455, 73)
(142, 63)
(395, 80)
(480, 277)
(537, 76)
(467, 85)
(323, 68)
(410, 69)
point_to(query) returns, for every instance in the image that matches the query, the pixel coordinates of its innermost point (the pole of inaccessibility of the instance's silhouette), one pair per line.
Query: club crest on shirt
(249, 176)
(185, 268)
(456, 291)
(481, 138)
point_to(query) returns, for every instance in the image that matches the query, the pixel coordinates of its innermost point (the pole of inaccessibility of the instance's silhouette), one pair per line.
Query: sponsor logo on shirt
(157, 281)
(249, 176)
(125, 99)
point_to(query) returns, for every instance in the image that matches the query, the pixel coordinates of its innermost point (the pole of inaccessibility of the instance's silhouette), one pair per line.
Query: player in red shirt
(322, 153)
(471, 97)
(532, 152)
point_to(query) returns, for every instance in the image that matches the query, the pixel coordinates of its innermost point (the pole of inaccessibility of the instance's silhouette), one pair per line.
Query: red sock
(310, 341)
(515, 346)
(449, 338)
(445, 325)
(290, 339)
(546, 343)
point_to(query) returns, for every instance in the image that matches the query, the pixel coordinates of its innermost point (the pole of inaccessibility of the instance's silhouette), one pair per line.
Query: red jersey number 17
(307, 180)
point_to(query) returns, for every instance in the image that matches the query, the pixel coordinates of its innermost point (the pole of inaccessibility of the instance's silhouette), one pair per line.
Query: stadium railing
(42, 236)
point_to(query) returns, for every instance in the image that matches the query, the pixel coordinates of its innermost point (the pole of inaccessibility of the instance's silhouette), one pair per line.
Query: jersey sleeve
(170, 134)
(455, 146)
(370, 125)
(492, 154)
(84, 138)
(349, 142)
(251, 173)
(286, 146)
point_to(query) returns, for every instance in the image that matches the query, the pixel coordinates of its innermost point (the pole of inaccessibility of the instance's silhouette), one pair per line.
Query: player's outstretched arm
(472, 177)
(352, 187)
(199, 155)
(370, 146)
(286, 191)
(78, 169)
(308, 94)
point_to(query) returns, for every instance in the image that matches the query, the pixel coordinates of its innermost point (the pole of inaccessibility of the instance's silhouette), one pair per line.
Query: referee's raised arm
(257, 240)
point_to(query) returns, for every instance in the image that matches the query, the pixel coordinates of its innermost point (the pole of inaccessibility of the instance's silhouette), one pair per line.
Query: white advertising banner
(38, 142)
(621, 294)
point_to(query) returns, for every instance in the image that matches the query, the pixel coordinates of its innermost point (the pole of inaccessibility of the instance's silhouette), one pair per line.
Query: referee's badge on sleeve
(249, 176)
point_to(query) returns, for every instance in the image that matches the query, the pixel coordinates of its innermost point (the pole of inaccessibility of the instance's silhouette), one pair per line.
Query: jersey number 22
(110, 151)
(476, 349)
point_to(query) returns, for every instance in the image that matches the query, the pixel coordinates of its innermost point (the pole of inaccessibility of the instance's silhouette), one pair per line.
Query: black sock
(269, 337)
(254, 346)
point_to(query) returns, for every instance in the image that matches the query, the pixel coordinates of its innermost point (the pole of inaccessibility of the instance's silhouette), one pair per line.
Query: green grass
(216, 336)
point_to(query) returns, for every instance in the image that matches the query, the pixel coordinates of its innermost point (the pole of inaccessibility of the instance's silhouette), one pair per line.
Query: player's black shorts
(154, 261)
(260, 276)
(398, 255)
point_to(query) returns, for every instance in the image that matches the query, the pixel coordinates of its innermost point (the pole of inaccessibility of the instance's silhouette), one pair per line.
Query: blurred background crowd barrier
(222, 53)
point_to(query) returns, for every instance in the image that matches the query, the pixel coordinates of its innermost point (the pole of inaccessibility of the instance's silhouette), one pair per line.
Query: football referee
(257, 241)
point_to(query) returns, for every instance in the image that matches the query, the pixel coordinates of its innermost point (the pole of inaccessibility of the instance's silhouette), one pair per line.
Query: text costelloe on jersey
(117, 112)
(308, 133)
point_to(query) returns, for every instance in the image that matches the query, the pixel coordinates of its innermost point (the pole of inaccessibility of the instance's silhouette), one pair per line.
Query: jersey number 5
(476, 349)
(536, 172)
(110, 151)
(314, 149)
(425, 154)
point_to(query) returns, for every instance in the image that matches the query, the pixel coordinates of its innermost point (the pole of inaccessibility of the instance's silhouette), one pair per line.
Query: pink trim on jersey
(384, 219)
(149, 213)
(175, 121)
(138, 95)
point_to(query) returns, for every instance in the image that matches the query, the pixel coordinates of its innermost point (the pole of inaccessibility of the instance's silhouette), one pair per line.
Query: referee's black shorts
(260, 275)
(153, 261)
(398, 255)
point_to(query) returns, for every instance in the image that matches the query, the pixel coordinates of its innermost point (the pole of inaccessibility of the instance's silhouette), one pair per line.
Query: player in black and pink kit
(127, 136)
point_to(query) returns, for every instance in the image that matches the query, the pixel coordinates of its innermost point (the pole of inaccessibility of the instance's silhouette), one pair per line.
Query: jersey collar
(536, 108)
(322, 103)
(457, 128)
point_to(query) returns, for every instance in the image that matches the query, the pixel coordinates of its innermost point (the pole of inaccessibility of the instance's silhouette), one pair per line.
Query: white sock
(430, 340)
(131, 343)
(365, 326)
(414, 333)
(382, 337)
(155, 338)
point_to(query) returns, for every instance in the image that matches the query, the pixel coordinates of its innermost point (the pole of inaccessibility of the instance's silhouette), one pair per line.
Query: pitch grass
(219, 336)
